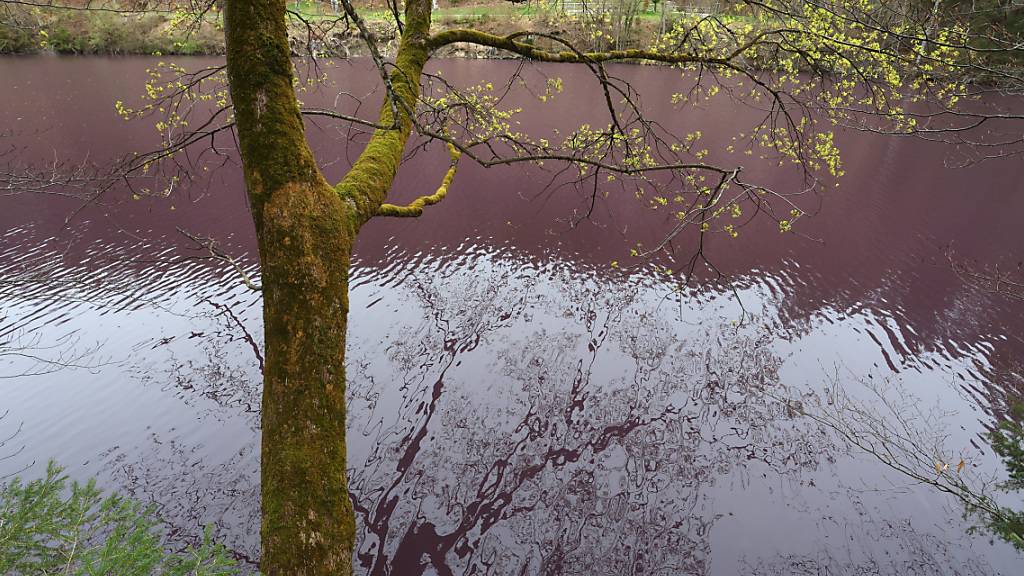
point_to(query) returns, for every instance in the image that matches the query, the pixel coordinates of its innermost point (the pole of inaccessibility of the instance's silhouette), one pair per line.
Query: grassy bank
(25, 30)
(66, 31)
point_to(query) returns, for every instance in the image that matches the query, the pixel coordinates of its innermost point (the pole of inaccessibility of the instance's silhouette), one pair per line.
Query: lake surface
(518, 405)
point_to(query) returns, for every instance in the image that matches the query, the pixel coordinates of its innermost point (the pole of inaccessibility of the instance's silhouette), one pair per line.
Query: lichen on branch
(415, 208)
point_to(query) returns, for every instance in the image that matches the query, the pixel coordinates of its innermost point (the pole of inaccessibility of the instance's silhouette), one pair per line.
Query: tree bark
(307, 520)
(305, 233)
(306, 229)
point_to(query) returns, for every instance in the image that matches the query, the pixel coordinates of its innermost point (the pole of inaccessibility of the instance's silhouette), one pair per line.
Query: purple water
(518, 406)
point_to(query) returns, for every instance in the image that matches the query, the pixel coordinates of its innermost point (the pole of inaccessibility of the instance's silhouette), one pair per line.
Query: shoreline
(159, 34)
(84, 32)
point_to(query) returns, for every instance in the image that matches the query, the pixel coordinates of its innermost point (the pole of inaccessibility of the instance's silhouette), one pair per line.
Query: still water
(518, 406)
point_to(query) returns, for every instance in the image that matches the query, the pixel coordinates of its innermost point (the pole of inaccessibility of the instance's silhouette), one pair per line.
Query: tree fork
(306, 230)
(305, 233)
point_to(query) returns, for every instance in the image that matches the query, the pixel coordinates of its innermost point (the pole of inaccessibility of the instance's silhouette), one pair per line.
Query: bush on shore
(48, 526)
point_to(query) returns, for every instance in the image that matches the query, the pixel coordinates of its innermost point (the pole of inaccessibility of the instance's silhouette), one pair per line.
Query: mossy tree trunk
(305, 240)
(306, 229)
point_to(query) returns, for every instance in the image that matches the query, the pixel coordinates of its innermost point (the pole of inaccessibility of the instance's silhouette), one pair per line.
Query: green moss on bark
(308, 526)
(305, 234)
(367, 184)
(306, 230)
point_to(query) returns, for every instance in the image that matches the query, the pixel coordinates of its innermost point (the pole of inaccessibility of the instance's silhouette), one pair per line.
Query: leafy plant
(1008, 442)
(48, 526)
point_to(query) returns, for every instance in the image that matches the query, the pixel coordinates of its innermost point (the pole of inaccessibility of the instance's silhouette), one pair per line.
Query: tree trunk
(305, 234)
(306, 229)
(307, 521)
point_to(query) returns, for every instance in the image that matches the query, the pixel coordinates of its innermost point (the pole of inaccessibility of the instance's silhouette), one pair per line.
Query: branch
(345, 117)
(415, 208)
(216, 253)
(992, 281)
(510, 44)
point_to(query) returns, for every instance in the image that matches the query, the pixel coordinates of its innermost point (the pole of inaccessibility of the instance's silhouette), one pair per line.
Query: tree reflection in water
(565, 431)
(912, 553)
(515, 417)
(8, 450)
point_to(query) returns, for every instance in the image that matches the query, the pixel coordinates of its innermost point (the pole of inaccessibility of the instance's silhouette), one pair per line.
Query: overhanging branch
(511, 43)
(415, 208)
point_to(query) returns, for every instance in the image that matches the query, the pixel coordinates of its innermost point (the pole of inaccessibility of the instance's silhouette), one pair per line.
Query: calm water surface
(517, 405)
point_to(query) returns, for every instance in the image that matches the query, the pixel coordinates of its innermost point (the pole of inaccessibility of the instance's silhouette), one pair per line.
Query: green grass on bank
(26, 31)
(98, 32)
(319, 10)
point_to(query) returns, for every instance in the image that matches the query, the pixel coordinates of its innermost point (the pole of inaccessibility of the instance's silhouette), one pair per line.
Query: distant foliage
(24, 31)
(51, 526)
